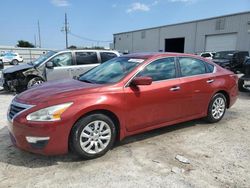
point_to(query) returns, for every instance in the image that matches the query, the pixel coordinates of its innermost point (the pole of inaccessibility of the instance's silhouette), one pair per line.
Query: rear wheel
(92, 136)
(34, 82)
(217, 108)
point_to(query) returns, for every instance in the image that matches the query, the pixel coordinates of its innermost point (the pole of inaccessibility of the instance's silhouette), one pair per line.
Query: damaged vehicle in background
(244, 81)
(231, 60)
(53, 66)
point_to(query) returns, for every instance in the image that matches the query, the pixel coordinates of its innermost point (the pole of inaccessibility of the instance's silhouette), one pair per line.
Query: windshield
(42, 58)
(223, 55)
(111, 71)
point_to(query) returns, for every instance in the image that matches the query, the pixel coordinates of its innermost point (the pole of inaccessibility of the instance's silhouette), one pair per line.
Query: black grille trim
(17, 108)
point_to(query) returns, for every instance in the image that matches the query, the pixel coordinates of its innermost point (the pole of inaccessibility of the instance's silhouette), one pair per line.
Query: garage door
(221, 42)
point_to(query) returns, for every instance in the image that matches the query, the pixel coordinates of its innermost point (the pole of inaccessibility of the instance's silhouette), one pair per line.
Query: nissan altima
(121, 97)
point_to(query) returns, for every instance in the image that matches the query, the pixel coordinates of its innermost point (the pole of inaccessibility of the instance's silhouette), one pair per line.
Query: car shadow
(10, 155)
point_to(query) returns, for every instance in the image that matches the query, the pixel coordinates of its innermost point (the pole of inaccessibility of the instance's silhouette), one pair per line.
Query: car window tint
(61, 60)
(191, 66)
(161, 69)
(83, 58)
(210, 68)
(105, 56)
(205, 55)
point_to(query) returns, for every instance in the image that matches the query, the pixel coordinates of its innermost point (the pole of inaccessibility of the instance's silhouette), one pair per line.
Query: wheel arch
(226, 94)
(114, 117)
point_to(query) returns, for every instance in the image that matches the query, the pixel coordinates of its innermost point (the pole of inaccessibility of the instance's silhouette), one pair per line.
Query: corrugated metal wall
(195, 33)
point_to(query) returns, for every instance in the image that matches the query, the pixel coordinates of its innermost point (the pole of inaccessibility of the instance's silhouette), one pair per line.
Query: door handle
(210, 81)
(175, 88)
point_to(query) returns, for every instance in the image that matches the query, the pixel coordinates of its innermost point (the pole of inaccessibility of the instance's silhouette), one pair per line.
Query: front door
(62, 67)
(157, 103)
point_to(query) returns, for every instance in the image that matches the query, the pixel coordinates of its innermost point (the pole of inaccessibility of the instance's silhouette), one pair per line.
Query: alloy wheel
(95, 137)
(218, 108)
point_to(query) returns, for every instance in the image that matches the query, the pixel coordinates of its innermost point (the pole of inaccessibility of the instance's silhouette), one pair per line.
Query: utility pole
(39, 34)
(66, 29)
(35, 40)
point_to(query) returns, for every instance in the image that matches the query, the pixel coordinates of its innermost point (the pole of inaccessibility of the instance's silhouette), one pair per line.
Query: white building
(228, 32)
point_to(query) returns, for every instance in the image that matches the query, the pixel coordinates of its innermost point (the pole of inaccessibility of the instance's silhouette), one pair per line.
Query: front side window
(191, 66)
(105, 56)
(83, 58)
(111, 71)
(161, 69)
(61, 60)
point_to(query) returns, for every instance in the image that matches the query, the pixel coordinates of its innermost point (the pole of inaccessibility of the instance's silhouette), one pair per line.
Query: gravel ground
(219, 156)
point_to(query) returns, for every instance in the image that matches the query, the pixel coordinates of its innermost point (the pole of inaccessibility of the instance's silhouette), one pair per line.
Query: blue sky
(99, 19)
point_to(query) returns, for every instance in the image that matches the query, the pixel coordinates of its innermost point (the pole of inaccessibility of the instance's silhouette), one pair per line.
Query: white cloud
(138, 7)
(60, 3)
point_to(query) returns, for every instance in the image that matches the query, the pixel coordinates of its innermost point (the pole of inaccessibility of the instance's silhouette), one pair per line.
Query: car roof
(149, 55)
(86, 50)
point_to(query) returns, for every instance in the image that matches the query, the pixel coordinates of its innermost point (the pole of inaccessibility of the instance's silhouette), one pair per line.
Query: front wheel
(217, 108)
(34, 82)
(92, 136)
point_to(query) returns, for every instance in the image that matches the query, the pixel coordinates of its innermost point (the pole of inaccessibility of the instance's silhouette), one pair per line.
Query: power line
(88, 39)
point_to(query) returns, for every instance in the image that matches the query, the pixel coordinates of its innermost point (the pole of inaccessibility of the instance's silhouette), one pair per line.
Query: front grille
(16, 108)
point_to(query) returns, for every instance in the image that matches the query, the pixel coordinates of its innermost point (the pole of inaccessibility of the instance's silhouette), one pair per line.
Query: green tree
(25, 44)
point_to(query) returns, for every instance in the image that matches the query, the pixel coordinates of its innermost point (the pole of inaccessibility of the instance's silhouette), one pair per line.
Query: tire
(14, 62)
(86, 142)
(34, 82)
(217, 108)
(240, 86)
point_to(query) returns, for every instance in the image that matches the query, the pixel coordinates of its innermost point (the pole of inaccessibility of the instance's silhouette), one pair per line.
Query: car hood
(54, 90)
(17, 68)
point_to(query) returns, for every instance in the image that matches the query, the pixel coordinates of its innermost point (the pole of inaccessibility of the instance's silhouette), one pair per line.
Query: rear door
(85, 60)
(198, 83)
(62, 67)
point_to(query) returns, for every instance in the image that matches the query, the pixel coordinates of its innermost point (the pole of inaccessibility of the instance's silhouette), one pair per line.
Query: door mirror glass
(142, 81)
(49, 65)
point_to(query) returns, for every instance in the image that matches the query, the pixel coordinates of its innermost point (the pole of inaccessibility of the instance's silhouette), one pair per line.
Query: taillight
(235, 77)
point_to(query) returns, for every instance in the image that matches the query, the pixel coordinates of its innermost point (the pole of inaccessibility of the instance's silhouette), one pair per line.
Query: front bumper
(45, 139)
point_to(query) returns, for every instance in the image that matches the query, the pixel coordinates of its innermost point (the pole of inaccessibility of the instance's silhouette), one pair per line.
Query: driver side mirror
(145, 80)
(49, 65)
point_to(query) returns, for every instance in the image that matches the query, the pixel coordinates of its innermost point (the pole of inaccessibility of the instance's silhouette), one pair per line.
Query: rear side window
(105, 56)
(83, 58)
(191, 66)
(210, 68)
(161, 69)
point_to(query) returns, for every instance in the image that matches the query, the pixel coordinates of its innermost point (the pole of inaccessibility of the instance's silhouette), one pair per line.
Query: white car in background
(11, 58)
(207, 55)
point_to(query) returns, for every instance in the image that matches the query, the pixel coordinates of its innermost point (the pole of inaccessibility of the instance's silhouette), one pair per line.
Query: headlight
(52, 113)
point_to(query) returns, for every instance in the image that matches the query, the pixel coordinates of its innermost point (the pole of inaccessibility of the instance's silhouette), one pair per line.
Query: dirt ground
(219, 156)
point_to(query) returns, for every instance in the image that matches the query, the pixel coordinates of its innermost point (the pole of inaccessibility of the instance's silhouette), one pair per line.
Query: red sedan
(121, 97)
